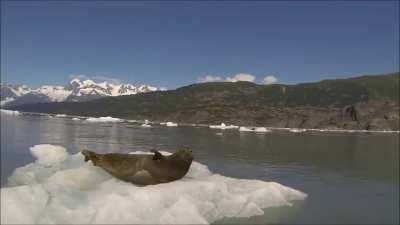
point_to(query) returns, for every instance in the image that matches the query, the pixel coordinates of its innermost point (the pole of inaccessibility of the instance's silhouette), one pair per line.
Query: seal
(143, 169)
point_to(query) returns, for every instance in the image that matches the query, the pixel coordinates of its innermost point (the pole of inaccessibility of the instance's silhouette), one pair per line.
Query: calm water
(349, 178)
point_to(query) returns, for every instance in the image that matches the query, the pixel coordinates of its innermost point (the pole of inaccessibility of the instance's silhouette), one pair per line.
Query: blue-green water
(349, 178)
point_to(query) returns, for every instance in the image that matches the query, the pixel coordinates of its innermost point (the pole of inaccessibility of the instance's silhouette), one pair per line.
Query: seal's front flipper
(157, 155)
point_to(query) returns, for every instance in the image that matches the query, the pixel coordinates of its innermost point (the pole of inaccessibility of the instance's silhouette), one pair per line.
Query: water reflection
(345, 175)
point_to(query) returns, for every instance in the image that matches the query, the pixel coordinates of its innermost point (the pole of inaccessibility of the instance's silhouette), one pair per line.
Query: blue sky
(171, 44)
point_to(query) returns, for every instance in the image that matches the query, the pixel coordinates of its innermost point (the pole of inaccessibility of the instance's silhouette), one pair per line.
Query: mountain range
(76, 91)
(364, 102)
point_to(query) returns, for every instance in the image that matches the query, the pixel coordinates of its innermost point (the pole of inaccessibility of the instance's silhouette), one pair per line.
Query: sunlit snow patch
(61, 188)
(61, 115)
(103, 119)
(9, 112)
(75, 118)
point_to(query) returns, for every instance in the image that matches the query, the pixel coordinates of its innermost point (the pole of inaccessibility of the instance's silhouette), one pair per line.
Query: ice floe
(297, 130)
(75, 118)
(61, 115)
(262, 130)
(223, 126)
(6, 100)
(10, 112)
(255, 129)
(146, 123)
(169, 124)
(61, 188)
(103, 119)
(245, 129)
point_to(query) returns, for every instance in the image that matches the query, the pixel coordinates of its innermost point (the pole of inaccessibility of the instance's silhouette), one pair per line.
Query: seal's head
(185, 155)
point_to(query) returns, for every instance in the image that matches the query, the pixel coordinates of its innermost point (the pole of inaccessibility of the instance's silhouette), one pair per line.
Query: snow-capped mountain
(76, 90)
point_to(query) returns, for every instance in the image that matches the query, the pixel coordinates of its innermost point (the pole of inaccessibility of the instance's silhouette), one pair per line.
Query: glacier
(60, 188)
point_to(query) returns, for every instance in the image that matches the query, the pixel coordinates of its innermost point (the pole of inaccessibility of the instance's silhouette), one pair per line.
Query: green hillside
(240, 101)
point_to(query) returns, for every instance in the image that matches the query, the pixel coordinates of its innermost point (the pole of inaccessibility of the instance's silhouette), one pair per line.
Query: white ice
(103, 119)
(297, 130)
(223, 126)
(60, 188)
(245, 129)
(171, 124)
(61, 115)
(6, 100)
(255, 129)
(9, 112)
(262, 130)
(146, 125)
(75, 118)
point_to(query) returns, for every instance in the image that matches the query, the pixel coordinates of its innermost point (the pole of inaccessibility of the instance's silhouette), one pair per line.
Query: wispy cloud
(238, 77)
(209, 78)
(79, 76)
(270, 80)
(241, 77)
(107, 79)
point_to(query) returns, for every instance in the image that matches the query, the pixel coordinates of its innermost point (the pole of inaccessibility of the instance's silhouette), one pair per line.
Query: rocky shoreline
(230, 126)
(360, 103)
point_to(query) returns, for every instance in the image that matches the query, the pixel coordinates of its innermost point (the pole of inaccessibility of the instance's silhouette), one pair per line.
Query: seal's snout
(86, 154)
(89, 155)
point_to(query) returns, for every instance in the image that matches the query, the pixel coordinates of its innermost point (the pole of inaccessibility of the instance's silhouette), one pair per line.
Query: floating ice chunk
(245, 129)
(171, 124)
(261, 130)
(223, 126)
(103, 119)
(26, 209)
(61, 115)
(48, 155)
(146, 125)
(79, 193)
(10, 112)
(6, 100)
(75, 118)
(297, 130)
(256, 129)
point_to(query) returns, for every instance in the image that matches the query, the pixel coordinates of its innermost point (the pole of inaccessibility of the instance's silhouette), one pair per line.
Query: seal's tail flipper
(89, 155)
